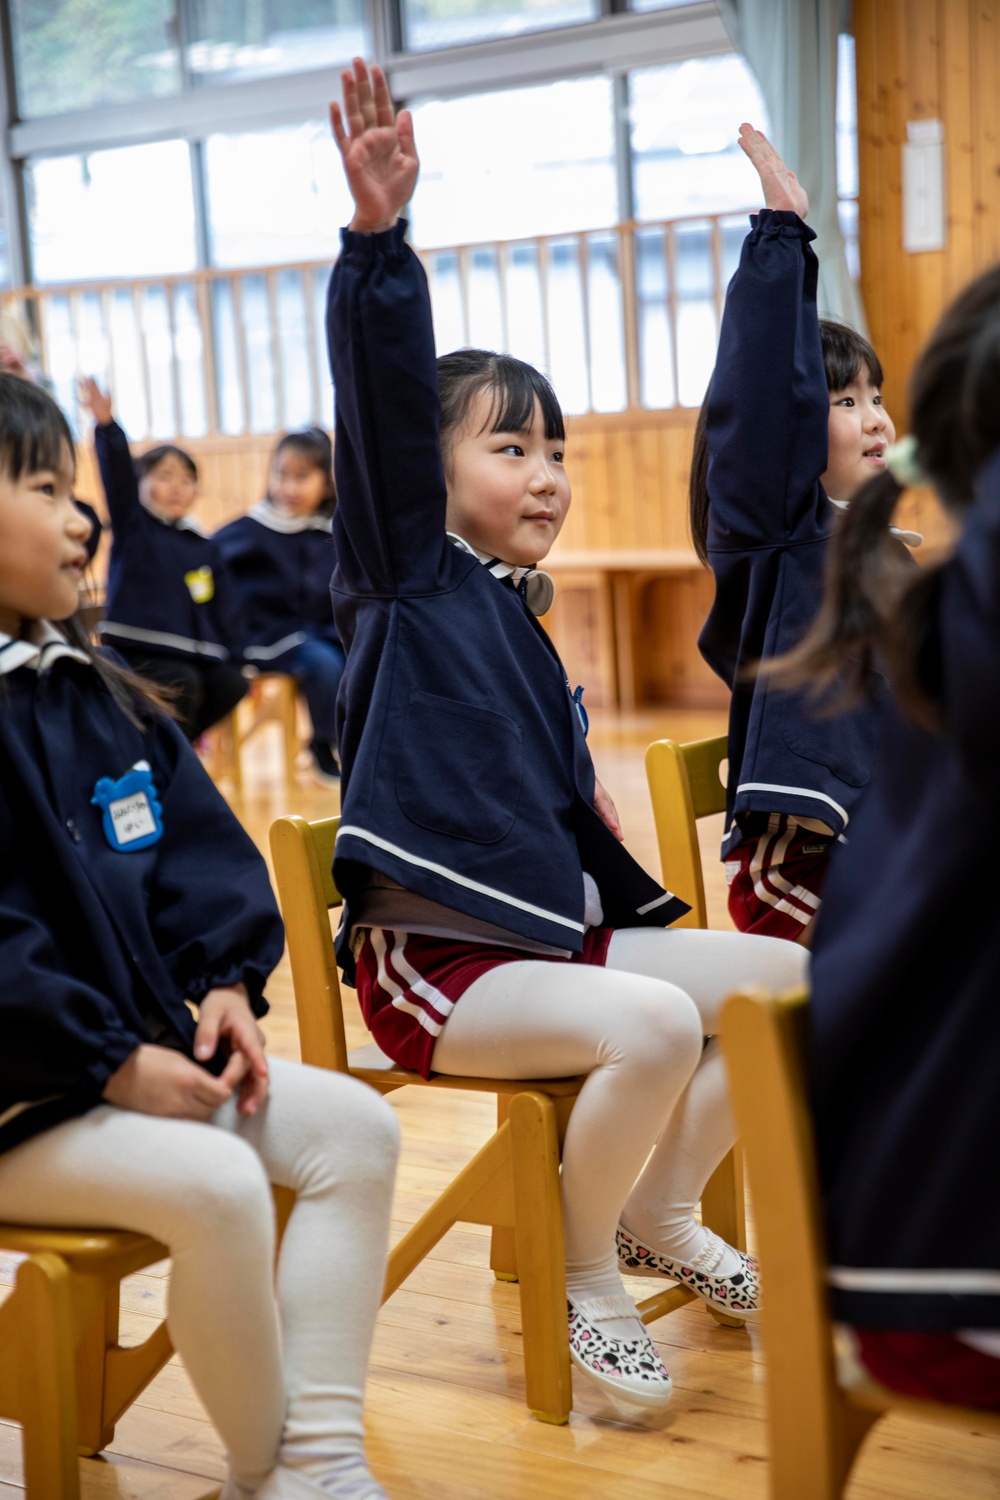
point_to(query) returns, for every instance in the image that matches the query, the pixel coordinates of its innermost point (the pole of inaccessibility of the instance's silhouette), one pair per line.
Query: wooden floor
(446, 1416)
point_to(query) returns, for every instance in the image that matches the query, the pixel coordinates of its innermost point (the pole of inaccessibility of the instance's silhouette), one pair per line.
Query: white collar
(268, 514)
(910, 538)
(539, 586)
(43, 645)
(183, 523)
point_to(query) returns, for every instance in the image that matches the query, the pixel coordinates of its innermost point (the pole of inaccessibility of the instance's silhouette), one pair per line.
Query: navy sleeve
(70, 1037)
(94, 539)
(211, 908)
(968, 644)
(389, 525)
(227, 603)
(768, 412)
(121, 487)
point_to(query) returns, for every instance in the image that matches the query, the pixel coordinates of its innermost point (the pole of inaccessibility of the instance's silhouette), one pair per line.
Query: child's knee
(353, 1124)
(656, 1027)
(228, 1186)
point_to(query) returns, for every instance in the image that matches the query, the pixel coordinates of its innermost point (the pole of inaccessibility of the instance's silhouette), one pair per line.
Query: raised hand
(379, 155)
(96, 401)
(782, 189)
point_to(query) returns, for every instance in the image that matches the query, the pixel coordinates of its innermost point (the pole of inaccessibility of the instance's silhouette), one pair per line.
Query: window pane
(449, 23)
(684, 127)
(233, 39)
(847, 118)
(128, 212)
(275, 196)
(515, 164)
(697, 333)
(73, 54)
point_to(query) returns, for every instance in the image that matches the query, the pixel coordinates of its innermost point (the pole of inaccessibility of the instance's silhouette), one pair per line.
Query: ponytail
(865, 576)
(698, 483)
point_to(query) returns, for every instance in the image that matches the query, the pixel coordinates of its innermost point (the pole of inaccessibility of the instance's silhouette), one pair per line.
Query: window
(519, 163)
(275, 196)
(847, 151)
(230, 39)
(449, 23)
(74, 54)
(684, 126)
(128, 212)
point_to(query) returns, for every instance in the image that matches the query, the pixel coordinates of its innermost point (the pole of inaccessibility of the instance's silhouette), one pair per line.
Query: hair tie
(903, 464)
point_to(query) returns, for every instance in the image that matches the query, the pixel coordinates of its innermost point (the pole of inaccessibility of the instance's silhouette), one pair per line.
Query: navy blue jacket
(281, 567)
(168, 590)
(906, 986)
(769, 522)
(466, 775)
(98, 944)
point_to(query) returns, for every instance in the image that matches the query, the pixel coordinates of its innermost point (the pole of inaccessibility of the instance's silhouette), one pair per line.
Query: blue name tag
(132, 814)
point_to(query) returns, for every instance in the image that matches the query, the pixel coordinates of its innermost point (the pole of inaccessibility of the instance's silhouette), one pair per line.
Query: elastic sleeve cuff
(118, 1047)
(772, 221)
(364, 248)
(253, 978)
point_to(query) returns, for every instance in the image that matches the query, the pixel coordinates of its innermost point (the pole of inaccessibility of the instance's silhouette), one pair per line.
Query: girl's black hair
(873, 605)
(35, 436)
(147, 462)
(845, 354)
(513, 386)
(315, 447)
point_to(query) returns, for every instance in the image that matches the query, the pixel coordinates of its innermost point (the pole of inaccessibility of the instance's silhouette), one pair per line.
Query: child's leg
(318, 666)
(222, 687)
(205, 1194)
(334, 1141)
(708, 966)
(638, 1039)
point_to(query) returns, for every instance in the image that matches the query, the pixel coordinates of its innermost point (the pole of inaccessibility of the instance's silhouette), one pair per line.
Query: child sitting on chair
(494, 923)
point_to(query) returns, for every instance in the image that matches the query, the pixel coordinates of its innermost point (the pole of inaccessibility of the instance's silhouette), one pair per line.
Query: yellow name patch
(201, 585)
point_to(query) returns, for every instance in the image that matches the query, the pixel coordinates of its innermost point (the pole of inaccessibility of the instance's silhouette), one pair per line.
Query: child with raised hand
(793, 424)
(280, 557)
(906, 1069)
(172, 611)
(136, 895)
(494, 923)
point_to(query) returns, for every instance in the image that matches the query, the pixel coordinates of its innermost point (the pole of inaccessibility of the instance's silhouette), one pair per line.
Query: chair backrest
(303, 869)
(684, 785)
(764, 1038)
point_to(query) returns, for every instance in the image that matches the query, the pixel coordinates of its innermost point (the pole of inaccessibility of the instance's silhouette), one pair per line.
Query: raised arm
(390, 518)
(768, 412)
(121, 488)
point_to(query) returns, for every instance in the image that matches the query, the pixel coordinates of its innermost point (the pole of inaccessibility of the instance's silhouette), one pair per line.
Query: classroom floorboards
(446, 1414)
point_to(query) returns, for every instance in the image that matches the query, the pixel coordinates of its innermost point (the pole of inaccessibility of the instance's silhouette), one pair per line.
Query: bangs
(845, 354)
(34, 433)
(514, 389)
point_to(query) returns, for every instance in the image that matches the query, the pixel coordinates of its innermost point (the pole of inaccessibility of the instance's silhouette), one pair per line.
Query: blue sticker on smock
(132, 814)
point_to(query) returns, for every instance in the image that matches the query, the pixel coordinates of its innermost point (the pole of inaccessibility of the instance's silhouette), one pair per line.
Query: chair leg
(723, 1209)
(289, 712)
(503, 1245)
(101, 1334)
(540, 1256)
(48, 1405)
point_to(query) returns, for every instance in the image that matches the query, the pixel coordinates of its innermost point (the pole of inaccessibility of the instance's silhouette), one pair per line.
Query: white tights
(652, 1121)
(203, 1190)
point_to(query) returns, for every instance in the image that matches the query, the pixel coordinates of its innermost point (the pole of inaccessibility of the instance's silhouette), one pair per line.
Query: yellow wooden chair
(684, 785)
(816, 1425)
(272, 699)
(63, 1374)
(511, 1184)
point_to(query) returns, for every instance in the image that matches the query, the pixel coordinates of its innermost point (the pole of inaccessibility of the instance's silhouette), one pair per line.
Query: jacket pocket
(461, 769)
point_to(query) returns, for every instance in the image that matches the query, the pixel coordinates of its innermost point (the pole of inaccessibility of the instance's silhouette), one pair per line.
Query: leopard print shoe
(630, 1369)
(738, 1294)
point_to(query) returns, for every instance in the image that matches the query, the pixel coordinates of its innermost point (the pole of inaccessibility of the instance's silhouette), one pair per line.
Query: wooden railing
(622, 319)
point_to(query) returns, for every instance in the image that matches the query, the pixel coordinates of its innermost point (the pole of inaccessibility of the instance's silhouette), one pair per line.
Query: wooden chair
(816, 1425)
(63, 1374)
(685, 785)
(272, 699)
(512, 1182)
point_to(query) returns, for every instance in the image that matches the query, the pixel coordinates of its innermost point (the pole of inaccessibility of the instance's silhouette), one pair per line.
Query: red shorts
(776, 874)
(931, 1367)
(408, 985)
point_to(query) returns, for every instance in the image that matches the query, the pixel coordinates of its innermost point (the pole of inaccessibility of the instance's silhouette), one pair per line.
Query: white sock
(343, 1478)
(684, 1240)
(599, 1282)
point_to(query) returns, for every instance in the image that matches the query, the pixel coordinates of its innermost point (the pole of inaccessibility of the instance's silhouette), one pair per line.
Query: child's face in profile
(169, 489)
(860, 431)
(297, 487)
(43, 550)
(508, 492)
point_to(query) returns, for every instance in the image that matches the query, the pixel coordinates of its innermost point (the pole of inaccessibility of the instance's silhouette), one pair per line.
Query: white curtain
(791, 45)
